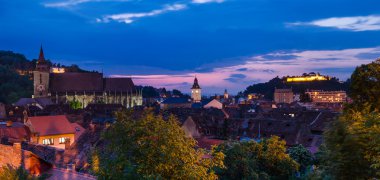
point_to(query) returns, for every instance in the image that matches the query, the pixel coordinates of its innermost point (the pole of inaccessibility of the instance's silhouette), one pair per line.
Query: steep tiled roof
(50, 125)
(118, 85)
(76, 82)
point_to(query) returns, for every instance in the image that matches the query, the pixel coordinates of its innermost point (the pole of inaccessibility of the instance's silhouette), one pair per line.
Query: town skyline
(226, 43)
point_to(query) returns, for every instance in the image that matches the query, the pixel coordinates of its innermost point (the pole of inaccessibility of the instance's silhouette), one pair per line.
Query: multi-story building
(283, 96)
(327, 96)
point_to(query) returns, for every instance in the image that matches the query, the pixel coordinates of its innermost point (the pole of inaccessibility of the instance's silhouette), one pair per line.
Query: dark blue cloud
(235, 78)
(373, 56)
(242, 69)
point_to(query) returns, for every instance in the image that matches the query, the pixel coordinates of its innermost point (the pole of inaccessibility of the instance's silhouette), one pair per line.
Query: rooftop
(50, 125)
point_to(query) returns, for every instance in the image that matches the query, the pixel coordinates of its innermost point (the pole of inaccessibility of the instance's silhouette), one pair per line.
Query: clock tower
(196, 93)
(41, 76)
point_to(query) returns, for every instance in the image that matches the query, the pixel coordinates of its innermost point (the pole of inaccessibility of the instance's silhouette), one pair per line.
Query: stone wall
(14, 156)
(10, 155)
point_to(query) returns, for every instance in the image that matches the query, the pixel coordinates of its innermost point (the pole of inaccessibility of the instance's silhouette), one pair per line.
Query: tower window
(40, 78)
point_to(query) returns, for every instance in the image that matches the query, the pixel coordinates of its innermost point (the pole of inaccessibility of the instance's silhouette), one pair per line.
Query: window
(207, 131)
(62, 140)
(49, 141)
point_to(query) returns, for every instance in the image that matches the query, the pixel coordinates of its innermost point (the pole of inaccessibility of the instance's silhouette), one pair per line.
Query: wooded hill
(267, 88)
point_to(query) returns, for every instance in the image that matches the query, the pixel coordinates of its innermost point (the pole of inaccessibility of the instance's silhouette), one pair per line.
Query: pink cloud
(262, 68)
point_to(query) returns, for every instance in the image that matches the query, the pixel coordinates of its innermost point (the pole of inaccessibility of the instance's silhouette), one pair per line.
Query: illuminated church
(85, 87)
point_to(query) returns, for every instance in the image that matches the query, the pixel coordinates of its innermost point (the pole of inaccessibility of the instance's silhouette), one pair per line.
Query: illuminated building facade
(307, 78)
(327, 96)
(57, 70)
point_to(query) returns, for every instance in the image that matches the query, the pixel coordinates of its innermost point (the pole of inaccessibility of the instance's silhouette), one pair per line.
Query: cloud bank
(261, 68)
(206, 1)
(71, 3)
(131, 17)
(353, 23)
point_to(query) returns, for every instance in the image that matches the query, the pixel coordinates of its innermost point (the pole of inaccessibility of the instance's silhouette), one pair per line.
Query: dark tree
(13, 86)
(365, 85)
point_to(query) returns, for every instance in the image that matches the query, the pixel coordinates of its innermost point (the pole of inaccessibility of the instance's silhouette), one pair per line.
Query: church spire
(196, 85)
(41, 58)
(42, 64)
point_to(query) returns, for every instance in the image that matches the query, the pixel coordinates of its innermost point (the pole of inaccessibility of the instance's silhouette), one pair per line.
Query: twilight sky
(225, 43)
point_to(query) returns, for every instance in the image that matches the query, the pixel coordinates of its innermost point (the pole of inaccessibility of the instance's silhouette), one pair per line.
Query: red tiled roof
(51, 125)
(17, 132)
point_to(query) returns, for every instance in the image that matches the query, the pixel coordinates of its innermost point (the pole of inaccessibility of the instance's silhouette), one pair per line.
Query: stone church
(85, 87)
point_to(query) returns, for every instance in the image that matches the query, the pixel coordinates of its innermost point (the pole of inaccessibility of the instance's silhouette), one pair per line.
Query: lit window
(49, 141)
(62, 140)
(196, 91)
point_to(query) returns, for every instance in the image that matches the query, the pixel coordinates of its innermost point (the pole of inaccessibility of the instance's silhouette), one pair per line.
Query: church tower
(41, 76)
(196, 93)
(226, 94)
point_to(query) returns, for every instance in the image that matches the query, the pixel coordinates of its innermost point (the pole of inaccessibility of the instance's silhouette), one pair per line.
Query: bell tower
(41, 76)
(196, 93)
(225, 94)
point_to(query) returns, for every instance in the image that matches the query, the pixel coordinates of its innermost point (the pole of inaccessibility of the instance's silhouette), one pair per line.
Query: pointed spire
(41, 58)
(196, 85)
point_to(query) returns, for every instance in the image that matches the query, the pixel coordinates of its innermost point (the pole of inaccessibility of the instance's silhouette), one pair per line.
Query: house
(54, 131)
(214, 104)
(190, 128)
